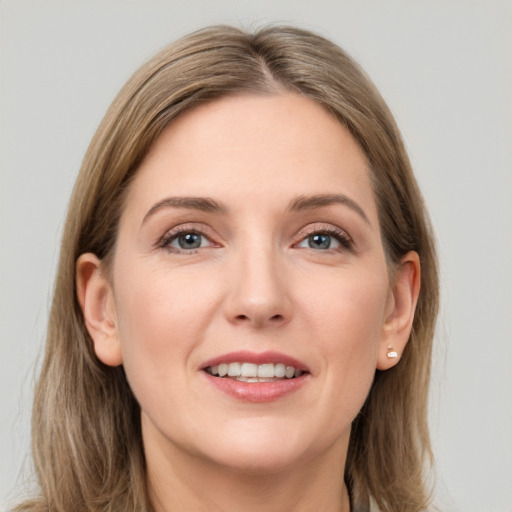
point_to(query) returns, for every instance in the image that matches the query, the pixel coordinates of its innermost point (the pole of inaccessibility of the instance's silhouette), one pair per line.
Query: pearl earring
(392, 353)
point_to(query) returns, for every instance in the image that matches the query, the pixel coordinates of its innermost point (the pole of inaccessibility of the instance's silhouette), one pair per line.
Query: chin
(258, 461)
(265, 449)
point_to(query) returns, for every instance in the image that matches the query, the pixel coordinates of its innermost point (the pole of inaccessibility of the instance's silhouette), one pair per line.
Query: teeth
(280, 370)
(266, 370)
(249, 372)
(289, 372)
(254, 379)
(234, 369)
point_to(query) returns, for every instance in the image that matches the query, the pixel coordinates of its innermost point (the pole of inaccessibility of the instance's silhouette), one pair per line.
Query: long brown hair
(86, 432)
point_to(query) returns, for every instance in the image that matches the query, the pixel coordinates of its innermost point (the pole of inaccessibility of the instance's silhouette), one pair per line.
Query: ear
(400, 309)
(96, 298)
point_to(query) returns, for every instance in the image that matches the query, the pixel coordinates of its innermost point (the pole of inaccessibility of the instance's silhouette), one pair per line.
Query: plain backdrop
(445, 68)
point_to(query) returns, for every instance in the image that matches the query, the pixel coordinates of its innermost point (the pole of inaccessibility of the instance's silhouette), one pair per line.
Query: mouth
(256, 377)
(252, 372)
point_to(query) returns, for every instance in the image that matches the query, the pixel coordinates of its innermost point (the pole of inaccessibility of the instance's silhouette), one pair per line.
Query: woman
(237, 321)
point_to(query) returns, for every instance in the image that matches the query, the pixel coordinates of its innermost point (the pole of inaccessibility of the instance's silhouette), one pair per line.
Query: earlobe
(400, 313)
(96, 299)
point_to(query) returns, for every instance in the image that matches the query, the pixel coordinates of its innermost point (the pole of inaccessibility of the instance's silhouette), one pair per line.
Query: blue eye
(189, 241)
(320, 241)
(326, 240)
(186, 241)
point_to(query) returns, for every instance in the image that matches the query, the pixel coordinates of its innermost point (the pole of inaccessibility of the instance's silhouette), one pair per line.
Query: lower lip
(257, 391)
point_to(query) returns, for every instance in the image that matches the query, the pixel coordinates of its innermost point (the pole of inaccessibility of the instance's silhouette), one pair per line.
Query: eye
(185, 241)
(319, 241)
(324, 240)
(188, 241)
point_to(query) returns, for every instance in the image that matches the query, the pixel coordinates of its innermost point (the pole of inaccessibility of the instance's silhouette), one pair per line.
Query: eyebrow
(322, 200)
(204, 204)
(209, 205)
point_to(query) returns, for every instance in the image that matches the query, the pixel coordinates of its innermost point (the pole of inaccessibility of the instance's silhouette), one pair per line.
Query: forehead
(261, 147)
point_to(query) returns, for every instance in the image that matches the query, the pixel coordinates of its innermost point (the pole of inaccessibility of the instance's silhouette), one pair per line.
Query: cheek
(160, 315)
(348, 325)
(349, 308)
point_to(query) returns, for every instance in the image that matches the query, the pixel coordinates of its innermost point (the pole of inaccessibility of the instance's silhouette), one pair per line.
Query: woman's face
(250, 235)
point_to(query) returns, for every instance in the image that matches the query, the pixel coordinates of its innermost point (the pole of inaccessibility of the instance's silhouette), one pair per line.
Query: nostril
(275, 318)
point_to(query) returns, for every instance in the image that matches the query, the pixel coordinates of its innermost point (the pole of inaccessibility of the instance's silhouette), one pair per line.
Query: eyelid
(190, 227)
(338, 233)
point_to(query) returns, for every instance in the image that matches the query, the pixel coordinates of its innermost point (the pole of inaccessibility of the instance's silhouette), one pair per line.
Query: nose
(258, 295)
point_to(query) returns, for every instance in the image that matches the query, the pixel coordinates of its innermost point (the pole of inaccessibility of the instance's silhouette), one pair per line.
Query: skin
(255, 284)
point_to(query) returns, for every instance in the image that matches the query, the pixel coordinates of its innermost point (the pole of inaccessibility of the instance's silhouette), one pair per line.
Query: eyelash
(338, 234)
(169, 237)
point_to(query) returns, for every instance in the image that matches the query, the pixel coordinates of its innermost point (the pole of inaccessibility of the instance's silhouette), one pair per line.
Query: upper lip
(246, 356)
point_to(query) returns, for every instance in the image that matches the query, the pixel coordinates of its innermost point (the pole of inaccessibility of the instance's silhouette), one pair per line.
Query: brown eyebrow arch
(321, 200)
(204, 204)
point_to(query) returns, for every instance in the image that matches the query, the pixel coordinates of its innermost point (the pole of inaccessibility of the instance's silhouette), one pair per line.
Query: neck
(180, 481)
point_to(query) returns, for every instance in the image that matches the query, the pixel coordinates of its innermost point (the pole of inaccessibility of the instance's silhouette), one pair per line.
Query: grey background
(445, 68)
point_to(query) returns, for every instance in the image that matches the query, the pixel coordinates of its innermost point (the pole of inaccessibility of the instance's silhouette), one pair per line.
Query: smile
(251, 372)
(256, 377)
